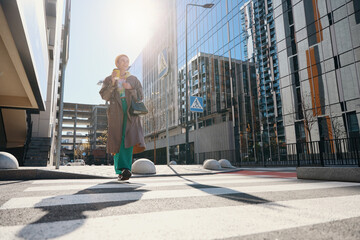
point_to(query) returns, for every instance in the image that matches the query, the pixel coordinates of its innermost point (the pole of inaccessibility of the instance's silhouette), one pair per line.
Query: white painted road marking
(180, 182)
(54, 200)
(151, 179)
(205, 223)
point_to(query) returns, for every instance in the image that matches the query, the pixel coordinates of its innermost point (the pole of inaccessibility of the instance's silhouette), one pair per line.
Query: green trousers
(123, 159)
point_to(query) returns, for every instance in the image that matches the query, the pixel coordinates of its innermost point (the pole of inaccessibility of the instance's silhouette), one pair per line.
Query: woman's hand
(127, 85)
(113, 75)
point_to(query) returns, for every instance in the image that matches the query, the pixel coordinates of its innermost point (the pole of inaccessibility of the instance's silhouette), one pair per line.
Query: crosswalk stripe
(54, 200)
(148, 179)
(220, 222)
(180, 182)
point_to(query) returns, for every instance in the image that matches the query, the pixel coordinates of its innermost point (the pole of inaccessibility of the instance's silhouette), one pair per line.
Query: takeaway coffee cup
(117, 71)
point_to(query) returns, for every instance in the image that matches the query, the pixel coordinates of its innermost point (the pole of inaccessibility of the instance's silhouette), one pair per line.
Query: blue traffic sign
(163, 64)
(196, 104)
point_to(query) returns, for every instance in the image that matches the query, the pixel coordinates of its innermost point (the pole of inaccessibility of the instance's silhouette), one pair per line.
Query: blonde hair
(118, 57)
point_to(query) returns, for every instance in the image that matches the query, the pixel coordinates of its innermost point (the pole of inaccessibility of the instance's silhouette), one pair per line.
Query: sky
(99, 31)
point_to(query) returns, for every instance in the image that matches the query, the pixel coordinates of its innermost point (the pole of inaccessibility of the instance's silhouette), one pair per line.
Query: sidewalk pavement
(89, 172)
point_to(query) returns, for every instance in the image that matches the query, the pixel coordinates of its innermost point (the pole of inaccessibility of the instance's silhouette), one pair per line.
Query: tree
(86, 148)
(338, 127)
(77, 152)
(309, 116)
(102, 140)
(82, 148)
(151, 108)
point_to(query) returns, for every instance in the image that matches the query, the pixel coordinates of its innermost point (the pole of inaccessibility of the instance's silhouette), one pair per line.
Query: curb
(32, 174)
(344, 174)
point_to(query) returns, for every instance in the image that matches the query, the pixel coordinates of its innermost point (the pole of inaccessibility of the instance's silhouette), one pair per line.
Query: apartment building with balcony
(76, 126)
(82, 125)
(98, 126)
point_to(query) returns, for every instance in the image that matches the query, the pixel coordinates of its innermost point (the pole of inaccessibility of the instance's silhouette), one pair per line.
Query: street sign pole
(167, 121)
(196, 105)
(163, 70)
(196, 138)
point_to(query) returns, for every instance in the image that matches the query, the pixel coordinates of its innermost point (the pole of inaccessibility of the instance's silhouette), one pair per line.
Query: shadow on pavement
(229, 193)
(74, 211)
(12, 182)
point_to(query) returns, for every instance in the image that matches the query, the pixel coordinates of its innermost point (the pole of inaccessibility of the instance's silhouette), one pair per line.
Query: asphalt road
(221, 206)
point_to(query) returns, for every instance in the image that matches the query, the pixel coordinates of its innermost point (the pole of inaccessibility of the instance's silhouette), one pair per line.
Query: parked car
(77, 162)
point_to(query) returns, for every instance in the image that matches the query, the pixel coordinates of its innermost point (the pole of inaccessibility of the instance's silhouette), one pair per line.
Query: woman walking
(125, 133)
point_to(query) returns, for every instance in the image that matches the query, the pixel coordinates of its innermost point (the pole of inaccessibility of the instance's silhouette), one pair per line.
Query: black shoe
(126, 174)
(119, 177)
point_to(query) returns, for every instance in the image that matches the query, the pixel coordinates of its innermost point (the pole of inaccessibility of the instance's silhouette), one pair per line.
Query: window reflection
(237, 42)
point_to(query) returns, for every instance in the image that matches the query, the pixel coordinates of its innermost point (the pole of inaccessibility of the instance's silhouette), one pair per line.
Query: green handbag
(138, 108)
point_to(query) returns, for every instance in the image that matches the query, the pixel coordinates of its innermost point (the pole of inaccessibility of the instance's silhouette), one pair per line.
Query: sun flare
(137, 21)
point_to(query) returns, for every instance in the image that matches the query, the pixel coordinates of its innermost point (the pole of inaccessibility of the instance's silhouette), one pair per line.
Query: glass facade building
(259, 30)
(155, 89)
(239, 41)
(292, 67)
(271, 74)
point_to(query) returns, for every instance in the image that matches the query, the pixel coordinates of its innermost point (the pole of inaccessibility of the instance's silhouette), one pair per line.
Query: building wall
(32, 34)
(202, 139)
(319, 56)
(44, 123)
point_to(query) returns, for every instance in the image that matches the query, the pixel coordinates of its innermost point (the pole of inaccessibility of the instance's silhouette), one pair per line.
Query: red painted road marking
(262, 173)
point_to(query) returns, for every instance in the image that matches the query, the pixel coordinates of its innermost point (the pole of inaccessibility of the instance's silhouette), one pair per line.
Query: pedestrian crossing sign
(163, 65)
(196, 104)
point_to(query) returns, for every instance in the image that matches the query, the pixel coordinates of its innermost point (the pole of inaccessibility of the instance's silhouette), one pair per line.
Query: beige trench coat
(134, 135)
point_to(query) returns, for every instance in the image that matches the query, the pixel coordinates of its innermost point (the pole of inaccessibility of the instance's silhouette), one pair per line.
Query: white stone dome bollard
(143, 166)
(211, 164)
(224, 163)
(173, 163)
(8, 161)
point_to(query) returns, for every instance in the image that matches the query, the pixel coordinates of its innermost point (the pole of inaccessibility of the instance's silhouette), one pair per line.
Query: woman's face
(123, 63)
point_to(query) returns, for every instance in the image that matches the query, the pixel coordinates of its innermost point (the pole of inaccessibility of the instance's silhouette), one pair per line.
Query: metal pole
(196, 139)
(187, 147)
(167, 122)
(74, 138)
(187, 155)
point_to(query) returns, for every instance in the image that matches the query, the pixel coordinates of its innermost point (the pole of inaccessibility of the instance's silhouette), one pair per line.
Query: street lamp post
(187, 147)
